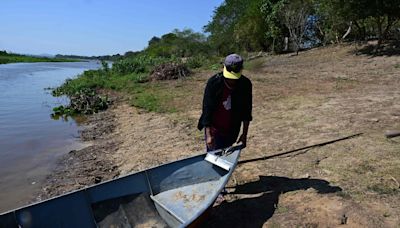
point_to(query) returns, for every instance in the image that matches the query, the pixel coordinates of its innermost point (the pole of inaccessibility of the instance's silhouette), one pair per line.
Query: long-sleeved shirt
(241, 101)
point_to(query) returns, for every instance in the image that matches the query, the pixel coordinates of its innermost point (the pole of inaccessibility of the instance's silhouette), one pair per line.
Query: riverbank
(122, 141)
(90, 165)
(320, 95)
(17, 58)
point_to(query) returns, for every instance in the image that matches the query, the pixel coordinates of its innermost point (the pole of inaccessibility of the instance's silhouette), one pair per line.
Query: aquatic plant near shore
(85, 101)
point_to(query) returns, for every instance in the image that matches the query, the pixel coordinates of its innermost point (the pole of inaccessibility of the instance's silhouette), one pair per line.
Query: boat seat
(123, 212)
(168, 210)
(186, 202)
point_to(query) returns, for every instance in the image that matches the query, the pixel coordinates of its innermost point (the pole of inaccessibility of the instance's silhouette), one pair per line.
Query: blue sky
(95, 27)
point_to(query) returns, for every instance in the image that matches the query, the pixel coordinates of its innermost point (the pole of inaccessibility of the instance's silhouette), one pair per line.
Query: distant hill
(103, 57)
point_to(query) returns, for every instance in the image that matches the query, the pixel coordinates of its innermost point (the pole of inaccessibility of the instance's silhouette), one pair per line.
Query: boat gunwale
(87, 187)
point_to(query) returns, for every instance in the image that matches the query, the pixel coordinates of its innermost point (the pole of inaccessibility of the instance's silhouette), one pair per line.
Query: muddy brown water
(30, 141)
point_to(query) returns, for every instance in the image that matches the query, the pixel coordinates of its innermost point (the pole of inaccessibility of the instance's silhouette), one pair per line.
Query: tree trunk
(379, 24)
(348, 31)
(286, 44)
(273, 45)
(322, 35)
(337, 37)
(390, 22)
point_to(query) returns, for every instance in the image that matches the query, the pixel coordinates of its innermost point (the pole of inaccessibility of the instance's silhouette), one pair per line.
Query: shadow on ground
(258, 200)
(391, 48)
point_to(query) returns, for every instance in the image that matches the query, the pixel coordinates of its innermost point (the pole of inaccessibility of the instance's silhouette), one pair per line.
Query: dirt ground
(320, 95)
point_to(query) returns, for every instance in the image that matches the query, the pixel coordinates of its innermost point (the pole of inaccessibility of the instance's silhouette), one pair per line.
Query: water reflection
(30, 141)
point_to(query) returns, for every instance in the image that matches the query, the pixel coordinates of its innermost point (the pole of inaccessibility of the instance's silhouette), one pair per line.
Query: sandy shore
(123, 140)
(317, 96)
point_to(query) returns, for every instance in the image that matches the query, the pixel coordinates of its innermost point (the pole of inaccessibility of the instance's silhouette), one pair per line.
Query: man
(227, 104)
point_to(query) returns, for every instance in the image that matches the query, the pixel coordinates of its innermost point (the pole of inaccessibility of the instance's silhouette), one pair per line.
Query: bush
(128, 66)
(139, 64)
(90, 79)
(85, 101)
(196, 62)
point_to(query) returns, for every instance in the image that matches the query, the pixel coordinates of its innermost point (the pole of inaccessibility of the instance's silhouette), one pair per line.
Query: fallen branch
(392, 134)
(299, 149)
(394, 179)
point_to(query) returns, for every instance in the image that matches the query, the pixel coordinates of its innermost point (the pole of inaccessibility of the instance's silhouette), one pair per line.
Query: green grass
(254, 65)
(386, 214)
(152, 102)
(282, 209)
(15, 58)
(344, 194)
(150, 96)
(130, 77)
(383, 189)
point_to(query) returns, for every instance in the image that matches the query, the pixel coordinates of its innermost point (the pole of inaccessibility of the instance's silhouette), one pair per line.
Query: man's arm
(208, 103)
(247, 114)
(243, 137)
(206, 120)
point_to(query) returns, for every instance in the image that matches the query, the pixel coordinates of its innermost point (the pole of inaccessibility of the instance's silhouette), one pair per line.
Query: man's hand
(209, 139)
(210, 142)
(243, 140)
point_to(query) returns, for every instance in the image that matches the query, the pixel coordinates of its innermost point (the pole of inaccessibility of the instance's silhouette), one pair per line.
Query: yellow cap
(231, 75)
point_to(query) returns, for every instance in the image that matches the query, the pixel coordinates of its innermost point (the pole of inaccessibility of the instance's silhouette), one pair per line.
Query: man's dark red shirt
(222, 117)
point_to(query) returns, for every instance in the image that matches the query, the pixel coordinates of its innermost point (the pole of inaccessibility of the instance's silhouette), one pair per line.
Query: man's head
(233, 66)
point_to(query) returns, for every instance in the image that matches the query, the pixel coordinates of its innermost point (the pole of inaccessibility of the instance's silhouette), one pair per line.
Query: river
(30, 141)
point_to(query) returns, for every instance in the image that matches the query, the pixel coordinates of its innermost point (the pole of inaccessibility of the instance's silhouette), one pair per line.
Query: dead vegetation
(169, 71)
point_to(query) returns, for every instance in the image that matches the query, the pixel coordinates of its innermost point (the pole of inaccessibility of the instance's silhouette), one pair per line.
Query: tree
(295, 15)
(222, 26)
(370, 18)
(238, 25)
(178, 43)
(154, 40)
(385, 13)
(249, 31)
(275, 30)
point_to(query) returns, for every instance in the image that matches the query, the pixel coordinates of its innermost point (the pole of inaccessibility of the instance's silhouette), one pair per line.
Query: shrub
(85, 101)
(196, 62)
